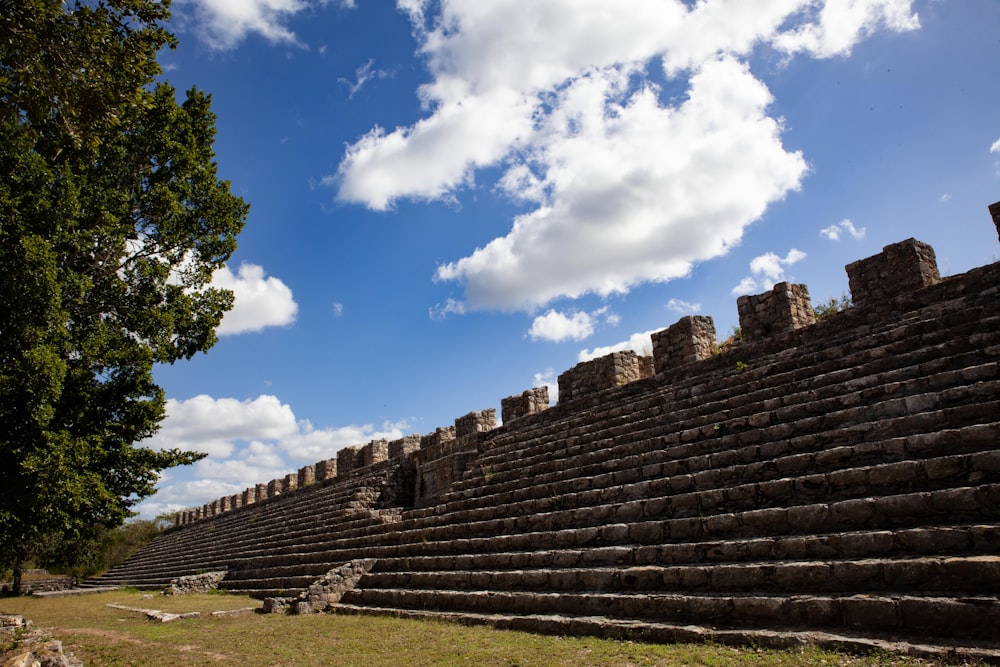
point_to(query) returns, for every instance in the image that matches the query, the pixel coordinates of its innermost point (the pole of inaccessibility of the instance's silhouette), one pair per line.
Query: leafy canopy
(112, 221)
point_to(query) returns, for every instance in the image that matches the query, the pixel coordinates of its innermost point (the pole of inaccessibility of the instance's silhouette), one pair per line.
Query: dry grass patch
(102, 635)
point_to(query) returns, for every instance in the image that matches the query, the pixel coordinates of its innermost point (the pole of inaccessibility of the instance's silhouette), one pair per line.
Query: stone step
(723, 431)
(827, 487)
(840, 364)
(970, 616)
(674, 498)
(795, 455)
(912, 542)
(972, 575)
(862, 515)
(215, 554)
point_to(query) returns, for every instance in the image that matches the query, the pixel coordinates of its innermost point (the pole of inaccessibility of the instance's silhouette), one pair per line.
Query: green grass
(101, 635)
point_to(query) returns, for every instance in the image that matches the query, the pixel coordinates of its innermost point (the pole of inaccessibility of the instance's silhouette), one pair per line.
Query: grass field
(103, 635)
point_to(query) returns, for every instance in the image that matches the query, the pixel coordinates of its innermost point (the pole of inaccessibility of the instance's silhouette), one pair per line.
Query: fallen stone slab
(156, 614)
(235, 612)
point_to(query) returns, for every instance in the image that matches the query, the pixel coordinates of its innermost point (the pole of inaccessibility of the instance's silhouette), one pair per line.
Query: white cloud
(248, 442)
(995, 148)
(213, 425)
(557, 327)
(338, 309)
(833, 232)
(223, 24)
(767, 269)
(635, 192)
(627, 187)
(640, 343)
(260, 302)
(832, 28)
(680, 306)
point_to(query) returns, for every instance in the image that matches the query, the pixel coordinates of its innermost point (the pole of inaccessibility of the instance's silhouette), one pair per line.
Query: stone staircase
(834, 481)
(279, 526)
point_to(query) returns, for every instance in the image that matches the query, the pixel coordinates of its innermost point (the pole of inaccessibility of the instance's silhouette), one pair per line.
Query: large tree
(112, 222)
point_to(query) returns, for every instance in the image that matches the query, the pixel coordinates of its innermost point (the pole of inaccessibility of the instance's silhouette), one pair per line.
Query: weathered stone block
(607, 372)
(262, 492)
(526, 403)
(690, 339)
(374, 452)
(476, 422)
(290, 482)
(440, 436)
(785, 307)
(326, 469)
(900, 268)
(307, 476)
(274, 488)
(347, 459)
(404, 446)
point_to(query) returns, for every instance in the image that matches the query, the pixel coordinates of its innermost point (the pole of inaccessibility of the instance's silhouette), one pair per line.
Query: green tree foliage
(112, 221)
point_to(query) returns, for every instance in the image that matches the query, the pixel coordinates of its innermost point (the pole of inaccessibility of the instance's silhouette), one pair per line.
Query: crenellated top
(876, 284)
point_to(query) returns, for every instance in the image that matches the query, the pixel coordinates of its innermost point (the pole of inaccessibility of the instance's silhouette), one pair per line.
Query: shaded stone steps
(939, 542)
(214, 556)
(791, 451)
(975, 575)
(688, 491)
(895, 398)
(666, 537)
(782, 370)
(210, 540)
(968, 540)
(726, 429)
(203, 538)
(728, 443)
(309, 534)
(965, 616)
(825, 487)
(642, 504)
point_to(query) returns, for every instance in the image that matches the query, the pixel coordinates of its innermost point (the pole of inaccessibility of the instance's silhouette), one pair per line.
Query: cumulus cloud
(766, 270)
(557, 327)
(834, 232)
(995, 148)
(629, 199)
(224, 24)
(832, 28)
(260, 302)
(624, 185)
(247, 441)
(641, 343)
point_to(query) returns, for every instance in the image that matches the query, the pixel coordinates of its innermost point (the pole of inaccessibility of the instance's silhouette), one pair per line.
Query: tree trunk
(16, 584)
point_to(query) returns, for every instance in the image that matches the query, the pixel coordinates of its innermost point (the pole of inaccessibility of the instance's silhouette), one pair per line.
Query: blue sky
(452, 202)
